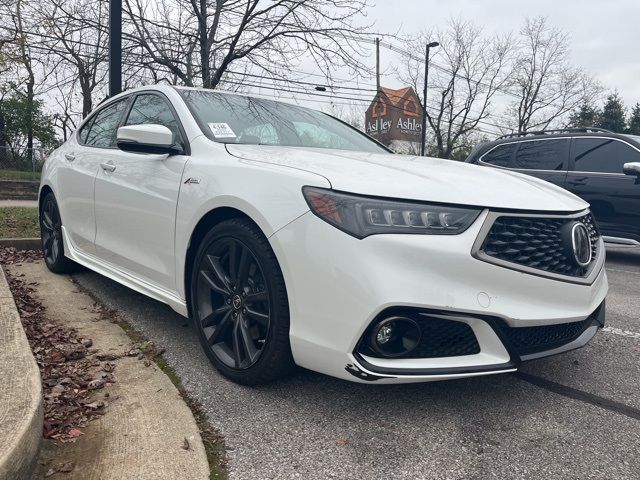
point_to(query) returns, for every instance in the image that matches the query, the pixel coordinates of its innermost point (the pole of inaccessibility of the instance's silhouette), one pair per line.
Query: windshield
(253, 121)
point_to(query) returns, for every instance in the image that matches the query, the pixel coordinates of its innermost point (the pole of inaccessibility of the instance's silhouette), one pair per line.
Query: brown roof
(395, 95)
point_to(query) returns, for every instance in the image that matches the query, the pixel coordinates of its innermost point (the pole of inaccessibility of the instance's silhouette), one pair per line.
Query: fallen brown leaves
(60, 467)
(71, 372)
(12, 256)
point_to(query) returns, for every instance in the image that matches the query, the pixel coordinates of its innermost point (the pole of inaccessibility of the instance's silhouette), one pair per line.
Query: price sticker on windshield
(222, 130)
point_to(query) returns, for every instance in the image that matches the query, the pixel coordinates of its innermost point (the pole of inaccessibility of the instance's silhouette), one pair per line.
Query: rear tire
(51, 237)
(239, 304)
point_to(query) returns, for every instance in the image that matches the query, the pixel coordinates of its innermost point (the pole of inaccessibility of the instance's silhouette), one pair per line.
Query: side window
(84, 131)
(500, 156)
(543, 155)
(603, 155)
(152, 109)
(103, 128)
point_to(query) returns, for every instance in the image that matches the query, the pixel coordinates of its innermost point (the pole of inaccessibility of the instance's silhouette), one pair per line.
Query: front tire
(51, 237)
(239, 304)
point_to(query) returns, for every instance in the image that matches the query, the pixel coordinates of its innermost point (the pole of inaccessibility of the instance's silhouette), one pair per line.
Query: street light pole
(115, 47)
(424, 97)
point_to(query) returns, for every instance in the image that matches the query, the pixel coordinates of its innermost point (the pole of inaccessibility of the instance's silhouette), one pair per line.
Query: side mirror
(632, 168)
(147, 138)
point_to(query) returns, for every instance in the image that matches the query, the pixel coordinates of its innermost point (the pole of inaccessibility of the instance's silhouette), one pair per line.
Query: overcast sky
(605, 35)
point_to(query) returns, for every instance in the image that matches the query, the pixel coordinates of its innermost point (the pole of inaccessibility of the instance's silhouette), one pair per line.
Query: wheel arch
(44, 190)
(206, 223)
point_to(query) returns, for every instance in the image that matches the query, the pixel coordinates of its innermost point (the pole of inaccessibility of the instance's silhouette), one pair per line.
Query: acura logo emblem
(237, 302)
(581, 244)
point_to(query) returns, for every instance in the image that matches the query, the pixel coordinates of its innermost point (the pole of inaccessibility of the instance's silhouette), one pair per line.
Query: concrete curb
(21, 243)
(21, 414)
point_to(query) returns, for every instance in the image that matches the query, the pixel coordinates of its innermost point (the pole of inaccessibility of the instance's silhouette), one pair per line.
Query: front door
(597, 176)
(135, 201)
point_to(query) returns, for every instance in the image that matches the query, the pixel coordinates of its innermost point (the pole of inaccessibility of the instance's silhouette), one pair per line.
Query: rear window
(103, 129)
(543, 154)
(603, 155)
(500, 156)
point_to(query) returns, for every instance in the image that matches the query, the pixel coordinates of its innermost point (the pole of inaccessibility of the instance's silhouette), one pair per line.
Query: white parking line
(619, 331)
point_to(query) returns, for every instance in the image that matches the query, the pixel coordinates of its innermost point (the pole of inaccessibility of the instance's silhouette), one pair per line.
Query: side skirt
(125, 278)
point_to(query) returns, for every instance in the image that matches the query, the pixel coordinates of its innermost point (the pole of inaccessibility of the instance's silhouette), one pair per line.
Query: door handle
(70, 157)
(578, 183)
(108, 167)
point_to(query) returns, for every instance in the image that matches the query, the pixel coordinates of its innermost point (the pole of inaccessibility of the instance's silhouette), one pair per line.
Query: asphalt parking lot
(572, 416)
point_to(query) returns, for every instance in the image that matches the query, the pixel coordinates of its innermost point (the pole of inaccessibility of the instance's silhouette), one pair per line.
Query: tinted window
(543, 155)
(603, 155)
(103, 129)
(152, 109)
(500, 156)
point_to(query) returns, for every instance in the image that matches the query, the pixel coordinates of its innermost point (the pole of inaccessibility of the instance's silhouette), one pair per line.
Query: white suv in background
(288, 237)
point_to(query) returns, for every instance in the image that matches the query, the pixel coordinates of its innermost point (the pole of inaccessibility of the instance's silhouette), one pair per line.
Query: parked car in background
(291, 238)
(601, 167)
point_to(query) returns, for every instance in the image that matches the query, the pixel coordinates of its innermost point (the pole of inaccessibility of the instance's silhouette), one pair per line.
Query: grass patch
(211, 438)
(19, 222)
(9, 174)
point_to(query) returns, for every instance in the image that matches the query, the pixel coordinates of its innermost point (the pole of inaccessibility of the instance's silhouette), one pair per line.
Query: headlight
(363, 216)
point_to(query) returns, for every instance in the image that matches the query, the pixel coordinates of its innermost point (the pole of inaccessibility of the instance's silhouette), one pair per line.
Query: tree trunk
(3, 136)
(203, 39)
(30, 84)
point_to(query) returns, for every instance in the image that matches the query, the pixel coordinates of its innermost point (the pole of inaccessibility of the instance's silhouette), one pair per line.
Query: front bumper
(337, 285)
(521, 344)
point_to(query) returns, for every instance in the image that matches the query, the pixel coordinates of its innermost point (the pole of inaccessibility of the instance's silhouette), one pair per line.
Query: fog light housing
(395, 336)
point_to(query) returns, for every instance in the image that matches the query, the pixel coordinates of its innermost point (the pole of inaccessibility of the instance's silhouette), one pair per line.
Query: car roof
(550, 134)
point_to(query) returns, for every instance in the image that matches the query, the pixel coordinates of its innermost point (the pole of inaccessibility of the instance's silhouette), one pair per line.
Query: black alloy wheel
(237, 304)
(51, 236)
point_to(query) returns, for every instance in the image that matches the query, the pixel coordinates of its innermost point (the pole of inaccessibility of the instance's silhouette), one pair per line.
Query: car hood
(418, 178)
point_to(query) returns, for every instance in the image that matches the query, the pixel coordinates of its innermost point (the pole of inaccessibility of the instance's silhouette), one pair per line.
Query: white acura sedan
(291, 238)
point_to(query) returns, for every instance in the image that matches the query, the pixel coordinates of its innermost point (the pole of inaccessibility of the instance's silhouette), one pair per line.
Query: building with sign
(394, 118)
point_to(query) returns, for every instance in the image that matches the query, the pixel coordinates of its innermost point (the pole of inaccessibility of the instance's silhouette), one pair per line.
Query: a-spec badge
(192, 180)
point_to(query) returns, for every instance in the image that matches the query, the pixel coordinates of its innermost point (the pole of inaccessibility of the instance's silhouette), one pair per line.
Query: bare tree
(196, 42)
(65, 112)
(73, 32)
(7, 47)
(7, 41)
(351, 113)
(467, 71)
(547, 86)
(24, 59)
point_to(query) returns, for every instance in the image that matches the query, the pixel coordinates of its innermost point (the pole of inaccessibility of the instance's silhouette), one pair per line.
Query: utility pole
(378, 63)
(115, 47)
(376, 109)
(424, 97)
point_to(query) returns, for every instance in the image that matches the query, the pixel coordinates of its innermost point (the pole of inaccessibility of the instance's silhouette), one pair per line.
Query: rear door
(94, 142)
(545, 158)
(596, 175)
